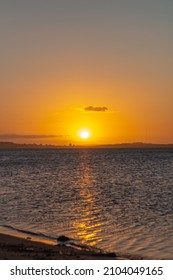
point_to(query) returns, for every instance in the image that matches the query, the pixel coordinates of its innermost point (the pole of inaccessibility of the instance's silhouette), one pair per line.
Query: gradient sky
(59, 58)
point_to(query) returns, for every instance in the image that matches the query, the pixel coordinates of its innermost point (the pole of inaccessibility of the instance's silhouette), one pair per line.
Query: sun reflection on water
(87, 225)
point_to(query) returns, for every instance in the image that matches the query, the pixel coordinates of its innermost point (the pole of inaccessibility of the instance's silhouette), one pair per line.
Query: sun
(84, 134)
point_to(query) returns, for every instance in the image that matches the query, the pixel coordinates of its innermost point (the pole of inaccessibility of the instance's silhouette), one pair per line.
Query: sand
(14, 248)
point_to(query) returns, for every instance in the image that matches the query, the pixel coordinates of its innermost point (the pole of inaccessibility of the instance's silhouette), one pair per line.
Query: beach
(16, 248)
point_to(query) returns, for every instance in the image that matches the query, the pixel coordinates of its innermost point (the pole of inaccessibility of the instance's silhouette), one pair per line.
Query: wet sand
(15, 248)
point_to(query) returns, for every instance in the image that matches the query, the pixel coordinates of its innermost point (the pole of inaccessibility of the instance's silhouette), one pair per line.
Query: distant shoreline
(135, 145)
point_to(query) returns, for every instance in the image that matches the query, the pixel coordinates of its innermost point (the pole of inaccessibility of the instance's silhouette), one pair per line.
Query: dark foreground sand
(14, 248)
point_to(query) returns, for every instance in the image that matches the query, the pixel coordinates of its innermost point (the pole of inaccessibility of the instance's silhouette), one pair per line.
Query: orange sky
(58, 59)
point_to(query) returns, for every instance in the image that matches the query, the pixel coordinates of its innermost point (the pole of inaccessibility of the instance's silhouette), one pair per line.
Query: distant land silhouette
(11, 145)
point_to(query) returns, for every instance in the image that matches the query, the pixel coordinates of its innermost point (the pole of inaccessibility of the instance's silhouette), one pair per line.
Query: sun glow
(84, 134)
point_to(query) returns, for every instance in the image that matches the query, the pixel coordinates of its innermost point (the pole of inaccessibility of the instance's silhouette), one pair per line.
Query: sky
(73, 66)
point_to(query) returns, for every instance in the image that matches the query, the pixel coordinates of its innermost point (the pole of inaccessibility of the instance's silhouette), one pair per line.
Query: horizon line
(70, 145)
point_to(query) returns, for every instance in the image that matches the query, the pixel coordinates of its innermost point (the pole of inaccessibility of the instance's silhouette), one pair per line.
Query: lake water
(115, 199)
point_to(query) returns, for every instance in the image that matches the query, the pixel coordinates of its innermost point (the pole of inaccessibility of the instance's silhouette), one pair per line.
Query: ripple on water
(119, 200)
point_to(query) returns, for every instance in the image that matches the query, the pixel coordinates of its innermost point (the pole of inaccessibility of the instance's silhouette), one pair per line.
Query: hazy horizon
(123, 144)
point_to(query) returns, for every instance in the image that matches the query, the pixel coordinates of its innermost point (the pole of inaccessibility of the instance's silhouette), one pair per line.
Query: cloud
(27, 136)
(95, 109)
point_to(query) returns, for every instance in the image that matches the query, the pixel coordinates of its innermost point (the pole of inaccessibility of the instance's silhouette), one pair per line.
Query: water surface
(114, 199)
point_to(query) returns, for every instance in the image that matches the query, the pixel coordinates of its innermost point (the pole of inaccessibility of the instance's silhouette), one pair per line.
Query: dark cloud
(95, 109)
(27, 136)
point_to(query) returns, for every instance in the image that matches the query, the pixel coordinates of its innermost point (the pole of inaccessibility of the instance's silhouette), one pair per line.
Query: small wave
(4, 158)
(28, 234)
